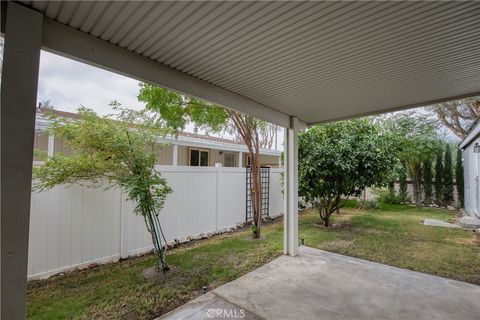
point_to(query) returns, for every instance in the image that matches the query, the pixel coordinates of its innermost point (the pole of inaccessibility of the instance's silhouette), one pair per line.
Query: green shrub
(402, 177)
(385, 196)
(368, 204)
(348, 203)
(447, 176)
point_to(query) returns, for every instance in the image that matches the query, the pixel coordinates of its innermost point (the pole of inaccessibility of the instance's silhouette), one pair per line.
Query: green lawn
(393, 235)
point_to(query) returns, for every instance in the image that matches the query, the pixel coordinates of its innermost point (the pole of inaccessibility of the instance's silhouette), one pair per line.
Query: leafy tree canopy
(113, 151)
(341, 159)
(417, 137)
(176, 111)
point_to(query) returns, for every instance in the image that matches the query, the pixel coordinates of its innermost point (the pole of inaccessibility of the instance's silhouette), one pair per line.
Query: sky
(70, 84)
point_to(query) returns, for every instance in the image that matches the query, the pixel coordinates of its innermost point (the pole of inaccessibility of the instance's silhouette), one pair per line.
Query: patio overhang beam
(68, 42)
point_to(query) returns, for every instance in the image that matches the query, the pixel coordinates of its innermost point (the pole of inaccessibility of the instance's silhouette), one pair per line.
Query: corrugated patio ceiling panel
(315, 60)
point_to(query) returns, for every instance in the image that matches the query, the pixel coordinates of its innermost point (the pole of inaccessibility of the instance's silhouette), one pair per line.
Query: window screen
(228, 159)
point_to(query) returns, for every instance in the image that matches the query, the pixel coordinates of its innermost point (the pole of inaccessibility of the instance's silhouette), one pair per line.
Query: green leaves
(112, 150)
(341, 159)
(177, 110)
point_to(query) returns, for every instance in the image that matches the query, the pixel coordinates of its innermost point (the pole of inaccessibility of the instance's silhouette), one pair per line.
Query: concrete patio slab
(209, 306)
(324, 285)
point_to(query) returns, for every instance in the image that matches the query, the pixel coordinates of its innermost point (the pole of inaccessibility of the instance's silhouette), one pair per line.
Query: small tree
(341, 159)
(109, 152)
(447, 176)
(176, 111)
(439, 178)
(427, 181)
(459, 178)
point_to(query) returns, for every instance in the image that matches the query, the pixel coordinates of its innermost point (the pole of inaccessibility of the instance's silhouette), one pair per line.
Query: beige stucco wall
(265, 160)
(183, 156)
(164, 154)
(40, 142)
(268, 160)
(60, 146)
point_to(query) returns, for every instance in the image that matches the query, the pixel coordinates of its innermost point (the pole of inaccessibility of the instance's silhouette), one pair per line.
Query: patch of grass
(121, 291)
(393, 235)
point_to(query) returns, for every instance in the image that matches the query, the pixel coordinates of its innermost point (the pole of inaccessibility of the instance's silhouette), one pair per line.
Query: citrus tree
(111, 151)
(340, 160)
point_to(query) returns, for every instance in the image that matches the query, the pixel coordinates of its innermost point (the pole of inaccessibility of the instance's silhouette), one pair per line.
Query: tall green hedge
(459, 178)
(447, 176)
(427, 181)
(439, 178)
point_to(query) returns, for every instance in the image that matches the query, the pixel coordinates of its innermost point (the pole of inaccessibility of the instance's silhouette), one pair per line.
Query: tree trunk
(247, 128)
(256, 192)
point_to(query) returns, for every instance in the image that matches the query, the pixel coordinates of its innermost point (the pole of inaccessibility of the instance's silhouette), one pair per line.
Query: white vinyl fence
(74, 226)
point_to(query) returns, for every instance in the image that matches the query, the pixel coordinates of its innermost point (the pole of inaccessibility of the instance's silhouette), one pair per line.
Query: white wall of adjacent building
(75, 226)
(472, 179)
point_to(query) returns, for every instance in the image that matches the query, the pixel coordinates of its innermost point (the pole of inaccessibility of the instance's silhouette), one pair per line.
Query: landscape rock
(469, 222)
(182, 241)
(450, 208)
(438, 223)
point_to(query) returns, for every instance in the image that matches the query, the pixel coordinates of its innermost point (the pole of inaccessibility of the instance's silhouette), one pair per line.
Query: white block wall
(74, 226)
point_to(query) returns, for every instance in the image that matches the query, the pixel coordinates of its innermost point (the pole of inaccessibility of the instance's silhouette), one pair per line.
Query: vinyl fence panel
(75, 226)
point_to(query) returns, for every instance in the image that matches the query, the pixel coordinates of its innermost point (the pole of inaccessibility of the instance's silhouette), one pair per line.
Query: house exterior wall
(164, 153)
(40, 142)
(265, 160)
(472, 176)
(268, 160)
(183, 155)
(214, 157)
(60, 146)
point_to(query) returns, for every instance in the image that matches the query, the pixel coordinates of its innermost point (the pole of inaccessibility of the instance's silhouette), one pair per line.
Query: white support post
(175, 155)
(51, 145)
(23, 39)
(290, 243)
(240, 159)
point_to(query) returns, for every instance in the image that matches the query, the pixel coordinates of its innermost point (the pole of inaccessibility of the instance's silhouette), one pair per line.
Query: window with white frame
(199, 157)
(229, 159)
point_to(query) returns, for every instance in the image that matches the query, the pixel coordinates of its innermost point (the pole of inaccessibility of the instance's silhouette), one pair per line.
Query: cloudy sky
(70, 84)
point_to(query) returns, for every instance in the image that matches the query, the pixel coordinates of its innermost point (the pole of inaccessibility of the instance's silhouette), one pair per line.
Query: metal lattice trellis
(265, 182)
